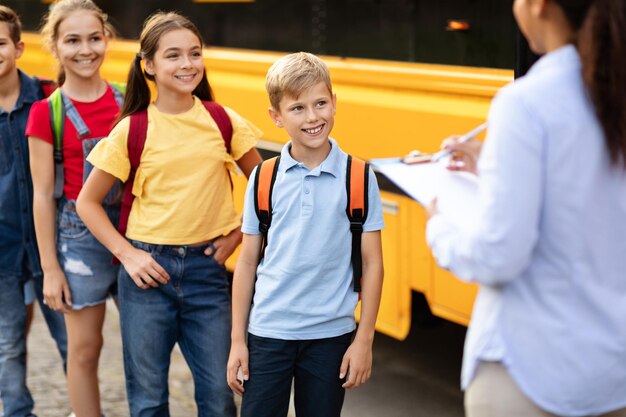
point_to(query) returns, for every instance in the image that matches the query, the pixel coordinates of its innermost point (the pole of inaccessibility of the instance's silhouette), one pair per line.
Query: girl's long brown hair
(137, 95)
(601, 41)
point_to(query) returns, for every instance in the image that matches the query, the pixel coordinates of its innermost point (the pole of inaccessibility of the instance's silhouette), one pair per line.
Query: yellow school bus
(430, 69)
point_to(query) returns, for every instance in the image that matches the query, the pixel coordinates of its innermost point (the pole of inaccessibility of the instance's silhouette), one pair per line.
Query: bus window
(396, 30)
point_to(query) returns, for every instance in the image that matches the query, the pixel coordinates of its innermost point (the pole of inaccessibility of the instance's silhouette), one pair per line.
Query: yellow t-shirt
(182, 187)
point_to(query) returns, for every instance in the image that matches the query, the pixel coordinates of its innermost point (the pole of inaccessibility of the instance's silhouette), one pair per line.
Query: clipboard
(456, 192)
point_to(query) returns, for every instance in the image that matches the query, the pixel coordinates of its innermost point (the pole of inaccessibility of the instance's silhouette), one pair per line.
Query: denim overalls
(84, 260)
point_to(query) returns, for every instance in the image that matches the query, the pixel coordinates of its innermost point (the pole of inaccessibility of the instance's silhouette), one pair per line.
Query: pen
(469, 135)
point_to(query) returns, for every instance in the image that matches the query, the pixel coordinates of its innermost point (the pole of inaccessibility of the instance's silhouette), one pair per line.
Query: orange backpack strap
(357, 178)
(263, 187)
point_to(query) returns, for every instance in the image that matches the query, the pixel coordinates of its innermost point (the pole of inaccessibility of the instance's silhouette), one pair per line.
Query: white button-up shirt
(549, 249)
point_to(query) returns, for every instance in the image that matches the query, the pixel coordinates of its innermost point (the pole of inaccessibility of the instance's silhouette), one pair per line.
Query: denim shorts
(87, 264)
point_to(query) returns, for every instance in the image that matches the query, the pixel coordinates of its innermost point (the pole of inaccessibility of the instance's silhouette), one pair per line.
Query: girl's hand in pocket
(224, 246)
(144, 270)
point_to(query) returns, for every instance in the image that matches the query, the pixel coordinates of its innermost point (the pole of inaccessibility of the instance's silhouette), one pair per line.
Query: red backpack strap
(223, 121)
(135, 143)
(357, 179)
(46, 86)
(263, 187)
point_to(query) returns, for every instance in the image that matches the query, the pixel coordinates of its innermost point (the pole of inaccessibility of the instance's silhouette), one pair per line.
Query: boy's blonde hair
(294, 73)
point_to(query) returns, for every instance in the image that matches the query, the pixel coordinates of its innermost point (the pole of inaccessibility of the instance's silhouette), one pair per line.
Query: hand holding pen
(463, 150)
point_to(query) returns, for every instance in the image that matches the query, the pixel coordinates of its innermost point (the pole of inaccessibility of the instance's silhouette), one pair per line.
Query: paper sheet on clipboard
(456, 192)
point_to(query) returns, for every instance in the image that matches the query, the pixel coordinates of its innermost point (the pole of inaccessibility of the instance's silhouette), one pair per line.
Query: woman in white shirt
(548, 332)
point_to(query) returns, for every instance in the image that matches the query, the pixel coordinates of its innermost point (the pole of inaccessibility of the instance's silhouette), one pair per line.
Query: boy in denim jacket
(19, 258)
(296, 306)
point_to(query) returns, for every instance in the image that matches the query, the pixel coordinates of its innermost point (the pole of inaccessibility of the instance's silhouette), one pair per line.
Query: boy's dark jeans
(312, 364)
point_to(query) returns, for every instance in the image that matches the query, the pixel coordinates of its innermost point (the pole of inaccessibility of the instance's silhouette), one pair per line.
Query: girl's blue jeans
(194, 310)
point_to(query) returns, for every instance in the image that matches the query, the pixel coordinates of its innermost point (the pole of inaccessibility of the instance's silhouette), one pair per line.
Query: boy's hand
(237, 369)
(144, 270)
(224, 246)
(357, 364)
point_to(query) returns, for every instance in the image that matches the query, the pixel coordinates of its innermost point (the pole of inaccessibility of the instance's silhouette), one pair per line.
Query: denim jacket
(17, 232)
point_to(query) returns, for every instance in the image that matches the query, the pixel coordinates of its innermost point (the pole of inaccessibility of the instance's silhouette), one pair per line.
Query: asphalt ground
(417, 377)
(47, 381)
(411, 378)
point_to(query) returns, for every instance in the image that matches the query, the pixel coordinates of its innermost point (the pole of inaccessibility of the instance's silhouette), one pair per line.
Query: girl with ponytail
(182, 226)
(547, 336)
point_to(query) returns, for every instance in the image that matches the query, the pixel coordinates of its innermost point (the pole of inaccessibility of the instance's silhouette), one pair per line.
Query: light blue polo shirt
(304, 282)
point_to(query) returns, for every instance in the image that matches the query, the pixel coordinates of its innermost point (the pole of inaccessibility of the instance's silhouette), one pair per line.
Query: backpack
(46, 86)
(357, 180)
(58, 110)
(137, 139)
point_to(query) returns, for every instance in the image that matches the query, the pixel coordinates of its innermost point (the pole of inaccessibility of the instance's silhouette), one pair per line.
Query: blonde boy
(296, 306)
